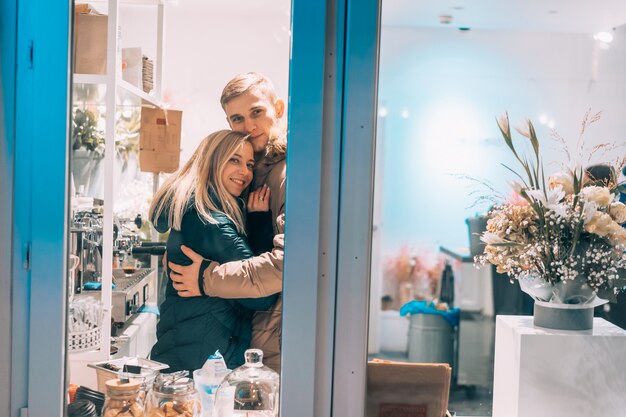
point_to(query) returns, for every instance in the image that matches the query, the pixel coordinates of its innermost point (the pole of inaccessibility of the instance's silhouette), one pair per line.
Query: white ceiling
(574, 16)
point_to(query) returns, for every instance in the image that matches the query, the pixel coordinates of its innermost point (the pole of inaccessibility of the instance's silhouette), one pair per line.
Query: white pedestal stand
(556, 373)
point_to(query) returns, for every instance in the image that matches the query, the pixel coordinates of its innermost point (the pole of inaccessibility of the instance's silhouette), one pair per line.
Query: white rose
(618, 212)
(600, 224)
(617, 235)
(565, 180)
(600, 195)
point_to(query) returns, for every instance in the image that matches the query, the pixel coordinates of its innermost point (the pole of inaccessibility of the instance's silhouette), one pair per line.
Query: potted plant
(87, 149)
(560, 236)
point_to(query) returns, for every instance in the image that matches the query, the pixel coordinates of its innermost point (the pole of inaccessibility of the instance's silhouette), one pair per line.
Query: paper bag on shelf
(90, 41)
(407, 389)
(159, 140)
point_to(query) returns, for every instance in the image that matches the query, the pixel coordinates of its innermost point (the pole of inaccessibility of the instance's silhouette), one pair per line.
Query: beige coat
(261, 275)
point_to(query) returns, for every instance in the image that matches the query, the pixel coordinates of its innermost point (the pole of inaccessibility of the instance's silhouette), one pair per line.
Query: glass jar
(250, 390)
(173, 395)
(123, 399)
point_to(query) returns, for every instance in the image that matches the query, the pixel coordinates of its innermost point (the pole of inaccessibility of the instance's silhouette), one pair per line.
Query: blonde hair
(244, 83)
(200, 178)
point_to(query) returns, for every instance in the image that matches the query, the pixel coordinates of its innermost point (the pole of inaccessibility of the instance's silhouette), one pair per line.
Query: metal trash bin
(431, 339)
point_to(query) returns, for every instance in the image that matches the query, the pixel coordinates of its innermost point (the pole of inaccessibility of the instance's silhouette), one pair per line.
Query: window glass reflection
(216, 75)
(442, 83)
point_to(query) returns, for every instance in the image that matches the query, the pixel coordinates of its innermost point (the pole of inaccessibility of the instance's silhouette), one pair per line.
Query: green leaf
(518, 175)
(506, 244)
(533, 139)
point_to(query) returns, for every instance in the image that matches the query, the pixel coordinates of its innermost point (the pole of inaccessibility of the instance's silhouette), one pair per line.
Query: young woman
(200, 206)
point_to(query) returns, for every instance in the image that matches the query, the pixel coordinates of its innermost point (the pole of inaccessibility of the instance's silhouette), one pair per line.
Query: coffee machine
(86, 244)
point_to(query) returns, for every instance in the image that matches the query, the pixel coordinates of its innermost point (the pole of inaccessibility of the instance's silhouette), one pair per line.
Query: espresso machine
(133, 285)
(86, 244)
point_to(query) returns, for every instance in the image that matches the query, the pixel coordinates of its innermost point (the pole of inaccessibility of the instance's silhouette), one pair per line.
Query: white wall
(206, 44)
(451, 86)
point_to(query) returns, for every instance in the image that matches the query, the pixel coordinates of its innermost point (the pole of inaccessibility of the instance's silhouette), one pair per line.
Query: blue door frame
(330, 162)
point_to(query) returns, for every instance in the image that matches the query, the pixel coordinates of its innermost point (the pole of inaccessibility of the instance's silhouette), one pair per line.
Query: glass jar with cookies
(123, 399)
(173, 395)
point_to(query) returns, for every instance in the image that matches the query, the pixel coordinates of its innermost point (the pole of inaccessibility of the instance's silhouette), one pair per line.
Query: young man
(252, 107)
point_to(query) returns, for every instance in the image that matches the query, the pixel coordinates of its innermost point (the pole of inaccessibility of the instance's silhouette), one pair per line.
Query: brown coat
(261, 275)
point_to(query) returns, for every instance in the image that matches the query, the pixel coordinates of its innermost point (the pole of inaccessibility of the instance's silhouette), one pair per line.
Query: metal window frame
(356, 209)
(329, 208)
(40, 207)
(8, 38)
(332, 96)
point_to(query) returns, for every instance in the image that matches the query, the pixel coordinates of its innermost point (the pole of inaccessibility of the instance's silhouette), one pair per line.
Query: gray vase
(563, 316)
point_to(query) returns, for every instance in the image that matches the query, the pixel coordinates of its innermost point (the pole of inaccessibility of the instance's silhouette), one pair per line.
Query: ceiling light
(405, 114)
(543, 119)
(605, 37)
(445, 19)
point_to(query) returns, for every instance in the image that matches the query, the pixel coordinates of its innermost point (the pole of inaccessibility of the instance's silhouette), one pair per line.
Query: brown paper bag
(400, 389)
(159, 140)
(90, 41)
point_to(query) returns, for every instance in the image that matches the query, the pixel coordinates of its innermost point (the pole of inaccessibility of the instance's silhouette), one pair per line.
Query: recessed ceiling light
(552, 11)
(605, 37)
(458, 8)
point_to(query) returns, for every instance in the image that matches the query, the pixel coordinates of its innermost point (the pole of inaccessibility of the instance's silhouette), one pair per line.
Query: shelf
(125, 90)
(90, 79)
(132, 91)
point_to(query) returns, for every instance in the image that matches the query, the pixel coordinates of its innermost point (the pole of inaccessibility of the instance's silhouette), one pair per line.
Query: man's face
(254, 114)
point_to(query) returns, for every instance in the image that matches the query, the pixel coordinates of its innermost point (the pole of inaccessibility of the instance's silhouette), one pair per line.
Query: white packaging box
(556, 373)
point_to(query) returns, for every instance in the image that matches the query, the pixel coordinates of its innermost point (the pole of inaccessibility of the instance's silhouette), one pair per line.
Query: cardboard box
(90, 41)
(400, 389)
(159, 140)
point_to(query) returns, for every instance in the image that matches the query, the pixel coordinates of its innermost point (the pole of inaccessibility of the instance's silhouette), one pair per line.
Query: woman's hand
(259, 200)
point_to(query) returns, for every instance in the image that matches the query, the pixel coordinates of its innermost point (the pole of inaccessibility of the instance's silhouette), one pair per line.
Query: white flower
(618, 212)
(563, 179)
(600, 195)
(503, 123)
(602, 224)
(524, 129)
(559, 209)
(548, 198)
(589, 209)
(617, 235)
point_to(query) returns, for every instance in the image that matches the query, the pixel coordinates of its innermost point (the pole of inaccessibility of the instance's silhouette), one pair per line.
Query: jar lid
(81, 408)
(117, 385)
(171, 384)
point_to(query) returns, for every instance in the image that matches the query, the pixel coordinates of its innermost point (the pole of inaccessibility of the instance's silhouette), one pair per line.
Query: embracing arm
(259, 276)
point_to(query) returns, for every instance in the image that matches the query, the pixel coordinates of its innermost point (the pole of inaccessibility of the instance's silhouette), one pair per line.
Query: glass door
(446, 72)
